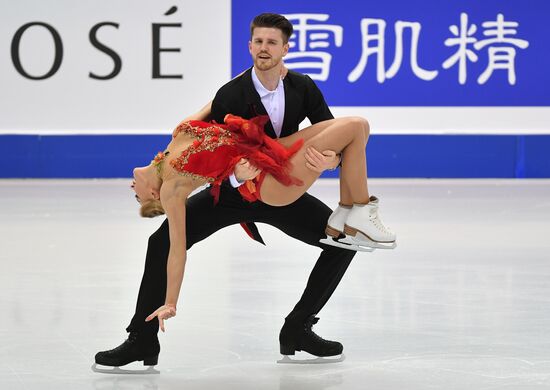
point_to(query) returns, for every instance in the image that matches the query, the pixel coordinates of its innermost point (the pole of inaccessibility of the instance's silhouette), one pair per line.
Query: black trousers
(304, 220)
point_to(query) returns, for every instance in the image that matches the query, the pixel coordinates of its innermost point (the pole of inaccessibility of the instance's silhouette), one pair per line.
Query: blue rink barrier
(389, 156)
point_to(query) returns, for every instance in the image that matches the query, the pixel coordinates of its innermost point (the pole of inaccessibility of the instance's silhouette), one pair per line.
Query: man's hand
(320, 162)
(245, 171)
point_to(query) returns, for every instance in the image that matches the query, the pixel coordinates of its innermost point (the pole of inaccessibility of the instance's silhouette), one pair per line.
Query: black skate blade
(312, 360)
(150, 370)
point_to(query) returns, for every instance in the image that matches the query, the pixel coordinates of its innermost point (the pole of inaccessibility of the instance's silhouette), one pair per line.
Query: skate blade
(318, 360)
(117, 370)
(364, 242)
(342, 244)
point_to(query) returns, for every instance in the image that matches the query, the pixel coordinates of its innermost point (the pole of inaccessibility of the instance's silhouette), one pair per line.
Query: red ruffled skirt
(219, 147)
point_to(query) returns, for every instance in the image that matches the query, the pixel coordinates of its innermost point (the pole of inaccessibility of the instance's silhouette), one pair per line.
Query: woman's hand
(245, 171)
(163, 313)
(319, 162)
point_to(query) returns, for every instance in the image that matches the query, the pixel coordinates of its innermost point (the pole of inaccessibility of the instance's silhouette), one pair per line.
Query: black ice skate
(134, 349)
(306, 340)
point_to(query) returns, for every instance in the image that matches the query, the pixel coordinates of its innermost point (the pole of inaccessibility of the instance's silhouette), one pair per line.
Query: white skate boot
(364, 228)
(335, 230)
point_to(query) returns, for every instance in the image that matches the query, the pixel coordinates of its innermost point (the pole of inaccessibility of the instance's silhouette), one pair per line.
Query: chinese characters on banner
(315, 42)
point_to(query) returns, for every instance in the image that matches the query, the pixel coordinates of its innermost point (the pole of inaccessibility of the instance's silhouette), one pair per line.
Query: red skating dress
(219, 147)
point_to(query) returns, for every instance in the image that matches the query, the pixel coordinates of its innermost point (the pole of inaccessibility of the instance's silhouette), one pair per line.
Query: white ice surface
(462, 303)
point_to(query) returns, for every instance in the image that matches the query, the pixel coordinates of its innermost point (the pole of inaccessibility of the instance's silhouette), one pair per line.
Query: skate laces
(375, 219)
(311, 321)
(308, 325)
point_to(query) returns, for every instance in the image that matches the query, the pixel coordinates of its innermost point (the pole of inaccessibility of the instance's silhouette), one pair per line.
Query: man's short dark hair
(273, 21)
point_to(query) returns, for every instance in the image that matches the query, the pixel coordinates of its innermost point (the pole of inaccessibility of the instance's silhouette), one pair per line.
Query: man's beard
(266, 65)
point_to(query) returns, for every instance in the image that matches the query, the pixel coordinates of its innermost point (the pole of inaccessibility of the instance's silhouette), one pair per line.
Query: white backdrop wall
(70, 101)
(133, 100)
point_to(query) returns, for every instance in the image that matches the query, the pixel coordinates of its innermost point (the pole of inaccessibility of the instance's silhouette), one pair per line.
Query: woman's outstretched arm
(173, 195)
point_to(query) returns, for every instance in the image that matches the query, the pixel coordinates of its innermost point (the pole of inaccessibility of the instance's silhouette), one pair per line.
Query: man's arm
(317, 111)
(205, 113)
(202, 115)
(316, 107)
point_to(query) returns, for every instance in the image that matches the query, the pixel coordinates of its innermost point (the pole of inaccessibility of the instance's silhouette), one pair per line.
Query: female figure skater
(202, 152)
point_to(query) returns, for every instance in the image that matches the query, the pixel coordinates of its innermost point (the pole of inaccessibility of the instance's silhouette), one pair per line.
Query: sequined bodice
(210, 152)
(158, 160)
(204, 139)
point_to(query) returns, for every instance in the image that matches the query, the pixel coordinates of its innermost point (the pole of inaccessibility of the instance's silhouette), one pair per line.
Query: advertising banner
(413, 53)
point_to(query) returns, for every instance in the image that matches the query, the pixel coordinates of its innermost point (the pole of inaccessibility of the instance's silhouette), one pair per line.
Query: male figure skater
(258, 91)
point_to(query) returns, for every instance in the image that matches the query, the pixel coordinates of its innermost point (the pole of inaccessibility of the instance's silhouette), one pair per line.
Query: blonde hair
(151, 208)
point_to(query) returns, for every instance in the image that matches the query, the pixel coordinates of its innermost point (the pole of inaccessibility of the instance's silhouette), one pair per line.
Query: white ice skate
(364, 228)
(335, 230)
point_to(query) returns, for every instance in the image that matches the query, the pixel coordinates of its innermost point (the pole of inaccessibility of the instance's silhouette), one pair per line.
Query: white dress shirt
(274, 103)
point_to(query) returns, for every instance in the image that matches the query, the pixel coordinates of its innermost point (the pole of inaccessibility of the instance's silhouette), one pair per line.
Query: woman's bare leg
(353, 174)
(344, 135)
(345, 192)
(357, 225)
